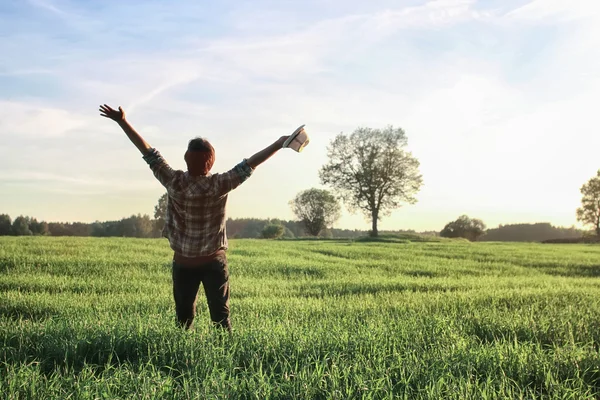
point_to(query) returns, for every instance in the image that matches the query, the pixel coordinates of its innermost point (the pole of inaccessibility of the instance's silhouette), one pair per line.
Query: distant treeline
(253, 228)
(142, 226)
(135, 226)
(538, 232)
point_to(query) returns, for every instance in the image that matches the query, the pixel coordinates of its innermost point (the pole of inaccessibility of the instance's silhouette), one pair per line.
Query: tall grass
(94, 318)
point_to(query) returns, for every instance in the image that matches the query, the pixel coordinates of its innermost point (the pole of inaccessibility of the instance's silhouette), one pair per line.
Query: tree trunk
(375, 216)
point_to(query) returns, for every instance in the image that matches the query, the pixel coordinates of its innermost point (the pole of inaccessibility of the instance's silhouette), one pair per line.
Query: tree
(372, 172)
(20, 226)
(58, 229)
(317, 209)
(99, 229)
(38, 228)
(273, 231)
(465, 227)
(326, 233)
(144, 226)
(589, 212)
(160, 214)
(139, 226)
(287, 233)
(5, 224)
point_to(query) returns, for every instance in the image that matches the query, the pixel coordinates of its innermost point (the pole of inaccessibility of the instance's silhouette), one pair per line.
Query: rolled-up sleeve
(160, 168)
(234, 177)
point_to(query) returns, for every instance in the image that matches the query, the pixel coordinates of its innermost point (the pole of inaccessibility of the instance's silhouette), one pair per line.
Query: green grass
(89, 318)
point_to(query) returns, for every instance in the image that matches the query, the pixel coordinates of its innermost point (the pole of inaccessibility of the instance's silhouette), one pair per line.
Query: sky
(498, 99)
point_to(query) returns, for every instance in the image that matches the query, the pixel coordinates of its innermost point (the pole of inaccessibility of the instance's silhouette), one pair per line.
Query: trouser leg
(186, 282)
(216, 288)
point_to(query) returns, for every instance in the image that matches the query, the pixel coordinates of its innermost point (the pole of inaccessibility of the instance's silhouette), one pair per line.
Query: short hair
(200, 144)
(200, 156)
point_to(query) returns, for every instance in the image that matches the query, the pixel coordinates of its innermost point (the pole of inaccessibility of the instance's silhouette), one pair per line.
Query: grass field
(91, 318)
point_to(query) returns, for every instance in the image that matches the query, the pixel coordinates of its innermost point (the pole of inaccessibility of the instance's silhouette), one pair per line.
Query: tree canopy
(372, 172)
(20, 226)
(589, 212)
(273, 231)
(464, 227)
(317, 209)
(160, 213)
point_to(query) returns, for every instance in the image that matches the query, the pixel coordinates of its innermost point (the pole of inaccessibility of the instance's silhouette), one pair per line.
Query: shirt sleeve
(233, 178)
(160, 168)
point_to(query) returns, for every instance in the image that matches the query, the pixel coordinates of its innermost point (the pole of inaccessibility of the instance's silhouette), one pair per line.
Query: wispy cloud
(26, 71)
(312, 49)
(180, 77)
(49, 6)
(79, 183)
(433, 14)
(35, 121)
(551, 10)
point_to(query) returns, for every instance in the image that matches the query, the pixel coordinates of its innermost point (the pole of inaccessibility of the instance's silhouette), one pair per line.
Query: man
(195, 219)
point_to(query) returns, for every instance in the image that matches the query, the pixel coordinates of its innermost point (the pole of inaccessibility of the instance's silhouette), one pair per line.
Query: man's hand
(115, 115)
(119, 117)
(282, 140)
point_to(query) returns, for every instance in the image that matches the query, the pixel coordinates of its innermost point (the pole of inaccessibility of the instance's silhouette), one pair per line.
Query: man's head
(199, 157)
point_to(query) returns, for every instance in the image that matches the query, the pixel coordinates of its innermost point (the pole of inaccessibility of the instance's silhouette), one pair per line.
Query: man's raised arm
(266, 153)
(238, 174)
(159, 166)
(119, 117)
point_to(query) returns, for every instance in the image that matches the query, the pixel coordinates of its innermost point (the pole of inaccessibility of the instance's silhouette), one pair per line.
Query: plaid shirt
(195, 220)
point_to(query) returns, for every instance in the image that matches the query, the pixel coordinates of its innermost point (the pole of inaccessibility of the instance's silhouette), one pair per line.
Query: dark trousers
(214, 276)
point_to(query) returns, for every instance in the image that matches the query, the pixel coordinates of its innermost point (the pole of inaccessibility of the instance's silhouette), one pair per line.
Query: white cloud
(49, 6)
(311, 49)
(26, 71)
(174, 81)
(32, 120)
(76, 182)
(552, 10)
(33, 176)
(433, 14)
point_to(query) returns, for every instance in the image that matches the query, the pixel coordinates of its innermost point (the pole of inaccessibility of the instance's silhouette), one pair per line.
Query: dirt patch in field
(18, 312)
(358, 289)
(331, 253)
(582, 240)
(582, 271)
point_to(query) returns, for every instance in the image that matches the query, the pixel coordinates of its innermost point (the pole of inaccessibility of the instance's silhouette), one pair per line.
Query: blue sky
(498, 100)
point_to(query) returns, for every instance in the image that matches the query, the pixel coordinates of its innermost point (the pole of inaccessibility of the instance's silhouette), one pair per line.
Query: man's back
(196, 207)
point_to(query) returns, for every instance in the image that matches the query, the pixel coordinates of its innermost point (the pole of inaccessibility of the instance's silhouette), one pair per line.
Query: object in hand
(297, 140)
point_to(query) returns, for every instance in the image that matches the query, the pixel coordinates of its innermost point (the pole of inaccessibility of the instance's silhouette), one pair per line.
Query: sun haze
(498, 99)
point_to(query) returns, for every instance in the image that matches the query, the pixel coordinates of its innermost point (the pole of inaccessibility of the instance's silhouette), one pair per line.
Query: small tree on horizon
(589, 212)
(317, 209)
(464, 227)
(372, 172)
(273, 231)
(139, 226)
(160, 214)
